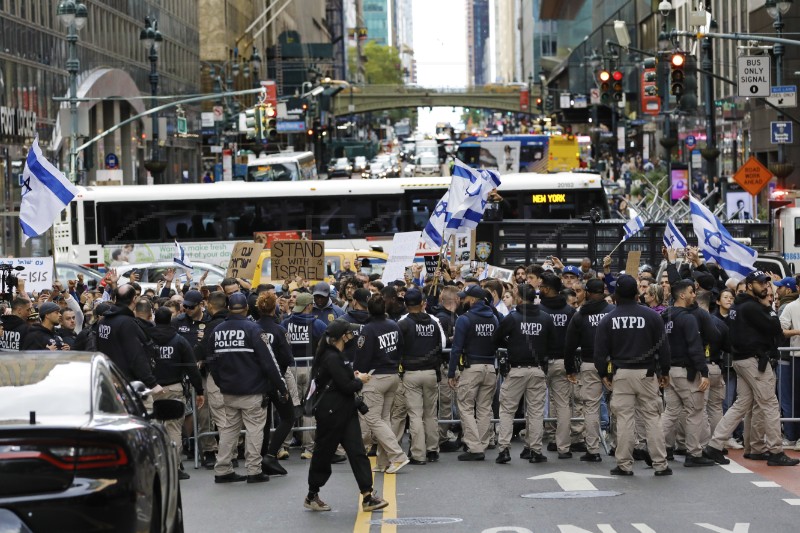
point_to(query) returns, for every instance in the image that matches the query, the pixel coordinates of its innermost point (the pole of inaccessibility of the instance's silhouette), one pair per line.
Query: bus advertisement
(511, 154)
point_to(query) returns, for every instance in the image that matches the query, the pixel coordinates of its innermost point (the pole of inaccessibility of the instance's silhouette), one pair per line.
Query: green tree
(382, 65)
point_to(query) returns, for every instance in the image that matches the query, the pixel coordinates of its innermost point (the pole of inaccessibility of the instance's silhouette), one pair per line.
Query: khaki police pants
(216, 403)
(632, 389)
(399, 412)
(560, 401)
(378, 394)
(754, 390)
(715, 395)
(301, 379)
(420, 396)
(528, 382)
(174, 427)
(684, 398)
(204, 418)
(591, 394)
(474, 394)
(445, 405)
(240, 410)
(291, 386)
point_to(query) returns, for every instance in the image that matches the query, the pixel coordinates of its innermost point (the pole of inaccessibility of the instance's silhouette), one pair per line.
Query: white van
(288, 166)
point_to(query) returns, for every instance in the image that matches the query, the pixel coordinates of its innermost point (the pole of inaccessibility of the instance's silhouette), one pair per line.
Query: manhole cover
(571, 494)
(416, 521)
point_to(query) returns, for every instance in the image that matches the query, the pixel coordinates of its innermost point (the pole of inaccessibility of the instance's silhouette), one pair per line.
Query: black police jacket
(754, 327)
(581, 332)
(67, 335)
(192, 330)
(379, 347)
(423, 340)
(528, 334)
(446, 320)
(631, 336)
(14, 330)
(473, 336)
(207, 346)
(305, 332)
(41, 338)
(242, 361)
(562, 313)
(174, 358)
(685, 345)
(715, 350)
(276, 336)
(709, 334)
(354, 316)
(123, 341)
(336, 384)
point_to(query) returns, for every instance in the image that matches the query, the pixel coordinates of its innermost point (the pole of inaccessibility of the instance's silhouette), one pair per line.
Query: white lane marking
(792, 501)
(736, 468)
(765, 484)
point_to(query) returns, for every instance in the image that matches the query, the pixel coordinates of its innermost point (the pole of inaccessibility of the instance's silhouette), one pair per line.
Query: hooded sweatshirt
(41, 338)
(304, 333)
(473, 337)
(379, 347)
(686, 348)
(557, 307)
(581, 332)
(754, 327)
(175, 358)
(15, 329)
(123, 341)
(354, 316)
(527, 332)
(423, 340)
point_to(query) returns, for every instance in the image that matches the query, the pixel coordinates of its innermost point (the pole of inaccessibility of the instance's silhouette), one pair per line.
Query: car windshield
(272, 172)
(52, 387)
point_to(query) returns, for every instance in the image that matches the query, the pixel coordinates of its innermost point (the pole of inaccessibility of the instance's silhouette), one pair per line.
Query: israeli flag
(45, 193)
(473, 213)
(673, 238)
(181, 258)
(632, 227)
(432, 234)
(464, 192)
(715, 241)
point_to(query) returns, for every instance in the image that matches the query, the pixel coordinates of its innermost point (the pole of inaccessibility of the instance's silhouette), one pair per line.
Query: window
(107, 400)
(797, 231)
(129, 398)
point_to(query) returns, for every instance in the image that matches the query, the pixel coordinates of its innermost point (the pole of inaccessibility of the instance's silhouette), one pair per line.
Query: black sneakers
(692, 461)
(504, 457)
(432, 457)
(591, 457)
(666, 472)
(373, 502)
(258, 478)
(183, 475)
(565, 455)
(470, 456)
(757, 456)
(781, 459)
(617, 471)
(525, 454)
(715, 455)
(537, 457)
(233, 477)
(209, 460)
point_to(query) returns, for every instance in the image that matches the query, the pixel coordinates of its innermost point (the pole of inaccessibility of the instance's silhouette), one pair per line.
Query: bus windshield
(272, 172)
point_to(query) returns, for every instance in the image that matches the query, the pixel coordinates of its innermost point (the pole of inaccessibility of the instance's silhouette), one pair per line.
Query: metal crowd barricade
(794, 353)
(197, 436)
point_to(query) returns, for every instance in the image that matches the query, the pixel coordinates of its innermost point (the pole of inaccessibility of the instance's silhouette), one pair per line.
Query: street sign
(594, 95)
(580, 101)
(112, 161)
(691, 142)
(752, 176)
(182, 127)
(206, 120)
(219, 113)
(783, 96)
(564, 100)
(781, 132)
(754, 76)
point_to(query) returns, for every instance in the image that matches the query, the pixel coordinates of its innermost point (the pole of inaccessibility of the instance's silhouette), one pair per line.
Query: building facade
(478, 42)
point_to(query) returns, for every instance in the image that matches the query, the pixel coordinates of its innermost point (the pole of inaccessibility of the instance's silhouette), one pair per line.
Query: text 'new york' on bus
(521, 153)
(208, 219)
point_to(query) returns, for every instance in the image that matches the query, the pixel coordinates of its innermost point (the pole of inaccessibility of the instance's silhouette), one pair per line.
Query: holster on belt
(463, 362)
(763, 360)
(691, 373)
(503, 364)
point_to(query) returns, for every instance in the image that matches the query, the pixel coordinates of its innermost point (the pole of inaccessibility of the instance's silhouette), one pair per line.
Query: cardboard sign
(632, 263)
(37, 272)
(298, 258)
(401, 255)
(243, 260)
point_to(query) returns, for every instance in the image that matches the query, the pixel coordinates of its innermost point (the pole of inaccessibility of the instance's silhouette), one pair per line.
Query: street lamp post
(73, 15)
(776, 10)
(255, 66)
(151, 38)
(710, 152)
(664, 44)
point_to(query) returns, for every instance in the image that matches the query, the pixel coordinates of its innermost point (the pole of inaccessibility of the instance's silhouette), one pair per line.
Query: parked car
(67, 271)
(340, 167)
(79, 452)
(151, 273)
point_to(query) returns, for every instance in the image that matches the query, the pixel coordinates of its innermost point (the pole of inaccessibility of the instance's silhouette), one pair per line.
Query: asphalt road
(488, 498)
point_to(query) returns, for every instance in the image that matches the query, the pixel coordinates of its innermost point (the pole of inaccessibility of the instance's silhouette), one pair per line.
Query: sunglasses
(189, 307)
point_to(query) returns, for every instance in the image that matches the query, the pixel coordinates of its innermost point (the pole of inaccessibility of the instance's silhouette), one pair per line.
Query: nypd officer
(685, 395)
(473, 353)
(631, 340)
(581, 333)
(423, 339)
(245, 369)
(527, 332)
(754, 329)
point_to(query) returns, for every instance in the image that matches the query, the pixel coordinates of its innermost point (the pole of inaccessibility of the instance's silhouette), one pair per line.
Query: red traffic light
(604, 75)
(538, 101)
(677, 60)
(617, 75)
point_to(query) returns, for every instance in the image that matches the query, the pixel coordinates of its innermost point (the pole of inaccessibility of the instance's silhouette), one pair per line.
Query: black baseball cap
(362, 296)
(339, 327)
(413, 296)
(473, 290)
(758, 276)
(237, 301)
(627, 286)
(595, 286)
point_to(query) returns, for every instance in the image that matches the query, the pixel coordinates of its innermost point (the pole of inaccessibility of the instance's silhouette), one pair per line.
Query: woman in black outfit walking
(336, 416)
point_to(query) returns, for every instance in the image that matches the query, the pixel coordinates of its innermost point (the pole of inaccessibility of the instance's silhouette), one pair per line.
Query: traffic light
(617, 87)
(268, 127)
(252, 122)
(539, 104)
(688, 101)
(550, 103)
(604, 79)
(677, 76)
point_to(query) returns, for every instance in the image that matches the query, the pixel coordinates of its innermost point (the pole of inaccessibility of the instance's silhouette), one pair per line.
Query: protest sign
(243, 260)
(401, 255)
(298, 258)
(37, 272)
(632, 263)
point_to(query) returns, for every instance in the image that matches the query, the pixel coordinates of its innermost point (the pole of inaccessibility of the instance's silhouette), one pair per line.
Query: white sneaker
(379, 469)
(789, 443)
(394, 467)
(733, 444)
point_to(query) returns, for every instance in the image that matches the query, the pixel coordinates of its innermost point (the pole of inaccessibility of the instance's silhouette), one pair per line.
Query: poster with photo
(739, 205)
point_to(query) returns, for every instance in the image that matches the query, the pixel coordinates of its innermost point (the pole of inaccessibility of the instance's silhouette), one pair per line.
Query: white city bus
(105, 225)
